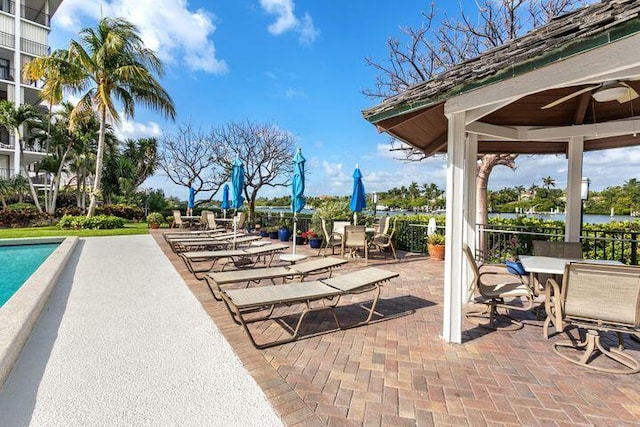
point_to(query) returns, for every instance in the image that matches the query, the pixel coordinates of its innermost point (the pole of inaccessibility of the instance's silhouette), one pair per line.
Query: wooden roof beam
(502, 132)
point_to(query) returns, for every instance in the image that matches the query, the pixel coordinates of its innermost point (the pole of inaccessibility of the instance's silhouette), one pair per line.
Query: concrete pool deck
(123, 341)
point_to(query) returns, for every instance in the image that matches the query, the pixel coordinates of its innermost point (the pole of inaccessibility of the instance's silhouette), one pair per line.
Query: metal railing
(36, 179)
(34, 48)
(34, 15)
(7, 39)
(619, 245)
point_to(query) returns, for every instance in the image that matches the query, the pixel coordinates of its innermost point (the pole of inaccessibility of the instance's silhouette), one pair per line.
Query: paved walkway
(123, 342)
(397, 371)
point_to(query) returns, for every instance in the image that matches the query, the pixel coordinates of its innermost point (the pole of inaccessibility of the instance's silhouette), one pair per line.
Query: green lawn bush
(130, 212)
(104, 222)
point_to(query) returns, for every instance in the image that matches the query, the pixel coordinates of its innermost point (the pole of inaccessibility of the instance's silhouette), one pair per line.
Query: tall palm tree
(13, 118)
(110, 64)
(548, 182)
(5, 190)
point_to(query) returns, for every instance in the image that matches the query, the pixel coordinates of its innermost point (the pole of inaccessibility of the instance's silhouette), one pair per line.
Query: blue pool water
(19, 262)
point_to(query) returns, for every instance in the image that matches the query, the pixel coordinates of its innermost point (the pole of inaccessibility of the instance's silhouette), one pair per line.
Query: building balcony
(37, 179)
(32, 14)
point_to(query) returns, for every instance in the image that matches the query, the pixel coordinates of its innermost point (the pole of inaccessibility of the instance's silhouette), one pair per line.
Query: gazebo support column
(470, 236)
(574, 178)
(454, 287)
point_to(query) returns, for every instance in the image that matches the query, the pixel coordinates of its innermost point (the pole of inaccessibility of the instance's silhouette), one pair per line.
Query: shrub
(104, 222)
(21, 207)
(155, 218)
(130, 212)
(69, 210)
(23, 217)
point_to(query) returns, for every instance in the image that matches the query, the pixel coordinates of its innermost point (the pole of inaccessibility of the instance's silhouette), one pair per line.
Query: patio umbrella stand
(358, 200)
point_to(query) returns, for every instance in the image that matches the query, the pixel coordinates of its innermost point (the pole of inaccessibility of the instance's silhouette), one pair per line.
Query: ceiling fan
(602, 92)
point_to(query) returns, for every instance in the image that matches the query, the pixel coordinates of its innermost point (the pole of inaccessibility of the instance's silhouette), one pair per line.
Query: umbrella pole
(235, 226)
(295, 223)
(355, 218)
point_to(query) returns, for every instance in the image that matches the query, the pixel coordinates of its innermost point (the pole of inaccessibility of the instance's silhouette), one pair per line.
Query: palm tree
(13, 118)
(548, 182)
(110, 63)
(5, 190)
(520, 189)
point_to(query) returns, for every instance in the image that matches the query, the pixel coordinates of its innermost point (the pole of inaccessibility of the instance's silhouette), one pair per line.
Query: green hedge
(97, 222)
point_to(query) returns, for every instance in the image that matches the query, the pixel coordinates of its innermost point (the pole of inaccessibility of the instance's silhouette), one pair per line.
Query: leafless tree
(266, 152)
(436, 46)
(193, 156)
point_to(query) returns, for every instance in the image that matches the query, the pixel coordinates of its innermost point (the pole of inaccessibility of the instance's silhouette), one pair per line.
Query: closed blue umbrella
(297, 191)
(237, 181)
(225, 199)
(358, 200)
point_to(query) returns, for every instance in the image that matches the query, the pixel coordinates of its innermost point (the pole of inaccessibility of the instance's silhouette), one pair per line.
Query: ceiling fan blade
(568, 97)
(630, 95)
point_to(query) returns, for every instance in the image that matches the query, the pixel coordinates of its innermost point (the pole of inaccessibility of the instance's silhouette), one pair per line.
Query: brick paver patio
(397, 371)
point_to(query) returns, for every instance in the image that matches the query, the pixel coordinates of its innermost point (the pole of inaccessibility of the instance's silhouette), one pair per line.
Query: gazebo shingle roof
(562, 37)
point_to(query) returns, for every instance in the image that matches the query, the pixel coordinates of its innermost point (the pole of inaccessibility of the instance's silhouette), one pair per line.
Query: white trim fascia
(613, 58)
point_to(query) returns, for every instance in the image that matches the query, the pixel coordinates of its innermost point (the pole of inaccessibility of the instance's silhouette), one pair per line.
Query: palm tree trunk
(99, 159)
(34, 194)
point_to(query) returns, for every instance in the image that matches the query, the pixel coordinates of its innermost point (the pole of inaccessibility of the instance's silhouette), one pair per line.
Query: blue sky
(299, 64)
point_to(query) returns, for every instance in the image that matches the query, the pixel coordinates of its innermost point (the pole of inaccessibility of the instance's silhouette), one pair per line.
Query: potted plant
(314, 241)
(300, 240)
(283, 231)
(154, 219)
(435, 246)
(169, 219)
(273, 232)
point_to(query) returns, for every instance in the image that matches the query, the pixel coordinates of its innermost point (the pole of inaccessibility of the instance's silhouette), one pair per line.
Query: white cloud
(287, 21)
(134, 130)
(177, 34)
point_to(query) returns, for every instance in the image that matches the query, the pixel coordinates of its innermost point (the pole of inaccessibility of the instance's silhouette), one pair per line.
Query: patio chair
(212, 225)
(597, 298)
(177, 219)
(355, 237)
(256, 275)
(554, 249)
(331, 240)
(383, 225)
(241, 302)
(491, 288)
(383, 241)
(240, 258)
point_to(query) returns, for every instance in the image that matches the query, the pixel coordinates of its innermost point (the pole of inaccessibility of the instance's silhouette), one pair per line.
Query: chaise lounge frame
(215, 281)
(241, 302)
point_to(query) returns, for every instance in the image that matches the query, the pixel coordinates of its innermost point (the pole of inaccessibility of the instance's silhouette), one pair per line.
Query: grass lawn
(132, 228)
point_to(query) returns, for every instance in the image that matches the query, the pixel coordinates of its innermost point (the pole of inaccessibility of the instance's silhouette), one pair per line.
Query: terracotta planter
(436, 251)
(154, 225)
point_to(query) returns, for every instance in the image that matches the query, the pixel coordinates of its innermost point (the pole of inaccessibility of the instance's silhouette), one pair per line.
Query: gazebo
(565, 88)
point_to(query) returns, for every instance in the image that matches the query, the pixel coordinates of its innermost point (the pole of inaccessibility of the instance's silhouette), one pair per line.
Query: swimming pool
(18, 263)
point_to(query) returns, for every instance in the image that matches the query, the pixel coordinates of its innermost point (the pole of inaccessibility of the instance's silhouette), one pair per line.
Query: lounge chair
(238, 257)
(597, 298)
(255, 275)
(241, 302)
(209, 243)
(491, 287)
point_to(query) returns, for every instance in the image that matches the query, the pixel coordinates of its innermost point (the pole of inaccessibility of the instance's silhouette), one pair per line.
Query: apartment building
(24, 31)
